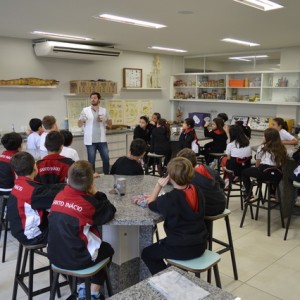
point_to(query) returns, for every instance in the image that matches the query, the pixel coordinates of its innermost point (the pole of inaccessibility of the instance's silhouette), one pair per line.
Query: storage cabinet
(258, 87)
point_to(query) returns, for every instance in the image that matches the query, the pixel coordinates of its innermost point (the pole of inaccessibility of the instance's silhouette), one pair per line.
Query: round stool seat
(201, 263)
(34, 247)
(217, 154)
(225, 213)
(88, 272)
(150, 154)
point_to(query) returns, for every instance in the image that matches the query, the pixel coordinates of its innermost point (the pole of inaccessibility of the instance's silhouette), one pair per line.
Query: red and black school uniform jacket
(26, 208)
(210, 182)
(186, 138)
(74, 240)
(7, 175)
(53, 168)
(184, 216)
(218, 145)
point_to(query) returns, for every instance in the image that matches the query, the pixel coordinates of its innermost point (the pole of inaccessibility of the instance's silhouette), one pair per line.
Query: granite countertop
(129, 213)
(143, 290)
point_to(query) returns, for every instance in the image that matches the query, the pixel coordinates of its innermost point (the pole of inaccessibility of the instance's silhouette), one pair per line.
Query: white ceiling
(199, 33)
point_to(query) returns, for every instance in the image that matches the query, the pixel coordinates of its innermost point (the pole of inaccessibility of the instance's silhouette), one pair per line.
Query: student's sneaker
(81, 293)
(98, 296)
(226, 183)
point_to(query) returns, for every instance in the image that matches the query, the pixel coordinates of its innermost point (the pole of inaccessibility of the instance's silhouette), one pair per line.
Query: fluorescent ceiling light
(235, 41)
(167, 49)
(247, 58)
(124, 20)
(66, 36)
(264, 5)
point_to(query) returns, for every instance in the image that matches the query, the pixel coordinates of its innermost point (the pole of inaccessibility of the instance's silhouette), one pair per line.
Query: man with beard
(95, 118)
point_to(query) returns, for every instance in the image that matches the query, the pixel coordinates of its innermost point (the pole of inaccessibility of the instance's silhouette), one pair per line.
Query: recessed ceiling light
(247, 58)
(167, 49)
(66, 36)
(129, 21)
(264, 5)
(185, 12)
(235, 41)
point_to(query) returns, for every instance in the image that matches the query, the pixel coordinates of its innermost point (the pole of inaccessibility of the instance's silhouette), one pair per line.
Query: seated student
(67, 151)
(210, 183)
(188, 134)
(281, 126)
(246, 129)
(33, 139)
(130, 165)
(74, 240)
(238, 152)
(271, 154)
(28, 202)
(142, 130)
(53, 168)
(49, 124)
(183, 210)
(12, 142)
(219, 136)
(224, 117)
(160, 140)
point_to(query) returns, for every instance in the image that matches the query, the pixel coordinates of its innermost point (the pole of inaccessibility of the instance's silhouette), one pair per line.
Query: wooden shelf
(142, 89)
(29, 86)
(238, 102)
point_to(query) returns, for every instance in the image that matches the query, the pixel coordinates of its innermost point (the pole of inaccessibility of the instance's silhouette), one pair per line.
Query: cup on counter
(120, 185)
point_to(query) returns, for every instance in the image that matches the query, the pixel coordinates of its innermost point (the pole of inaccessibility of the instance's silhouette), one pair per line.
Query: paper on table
(174, 286)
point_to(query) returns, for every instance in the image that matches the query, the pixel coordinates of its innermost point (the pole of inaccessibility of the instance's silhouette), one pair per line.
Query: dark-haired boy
(33, 139)
(188, 134)
(74, 241)
(28, 201)
(67, 151)
(53, 168)
(130, 165)
(12, 142)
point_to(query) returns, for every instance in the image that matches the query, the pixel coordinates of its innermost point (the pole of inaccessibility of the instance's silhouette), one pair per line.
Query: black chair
(21, 272)
(263, 199)
(227, 246)
(292, 209)
(154, 159)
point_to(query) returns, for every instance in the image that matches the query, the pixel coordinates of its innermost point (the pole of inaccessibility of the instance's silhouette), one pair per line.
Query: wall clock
(132, 78)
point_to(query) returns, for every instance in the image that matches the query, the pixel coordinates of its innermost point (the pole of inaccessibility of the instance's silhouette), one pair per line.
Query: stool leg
(230, 242)
(244, 213)
(108, 282)
(54, 285)
(217, 276)
(87, 282)
(210, 241)
(30, 278)
(268, 190)
(259, 189)
(4, 239)
(280, 207)
(287, 226)
(147, 166)
(17, 273)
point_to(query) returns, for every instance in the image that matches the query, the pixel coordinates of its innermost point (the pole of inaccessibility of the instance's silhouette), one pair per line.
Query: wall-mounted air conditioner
(74, 51)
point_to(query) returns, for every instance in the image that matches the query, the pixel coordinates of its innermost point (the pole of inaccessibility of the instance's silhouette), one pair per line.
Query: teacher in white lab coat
(95, 118)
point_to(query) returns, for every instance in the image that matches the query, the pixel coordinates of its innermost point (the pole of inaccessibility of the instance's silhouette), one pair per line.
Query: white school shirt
(285, 136)
(33, 141)
(88, 127)
(43, 150)
(265, 157)
(234, 150)
(69, 152)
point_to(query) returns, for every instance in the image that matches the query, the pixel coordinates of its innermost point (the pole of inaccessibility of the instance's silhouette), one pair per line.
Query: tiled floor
(269, 267)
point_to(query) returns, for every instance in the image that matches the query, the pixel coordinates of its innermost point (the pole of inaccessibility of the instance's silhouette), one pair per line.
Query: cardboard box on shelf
(80, 86)
(236, 83)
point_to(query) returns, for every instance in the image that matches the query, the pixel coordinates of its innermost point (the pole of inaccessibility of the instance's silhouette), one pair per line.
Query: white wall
(17, 59)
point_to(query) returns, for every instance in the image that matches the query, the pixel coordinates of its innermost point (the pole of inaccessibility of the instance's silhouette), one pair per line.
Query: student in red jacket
(12, 142)
(183, 209)
(28, 201)
(53, 168)
(74, 240)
